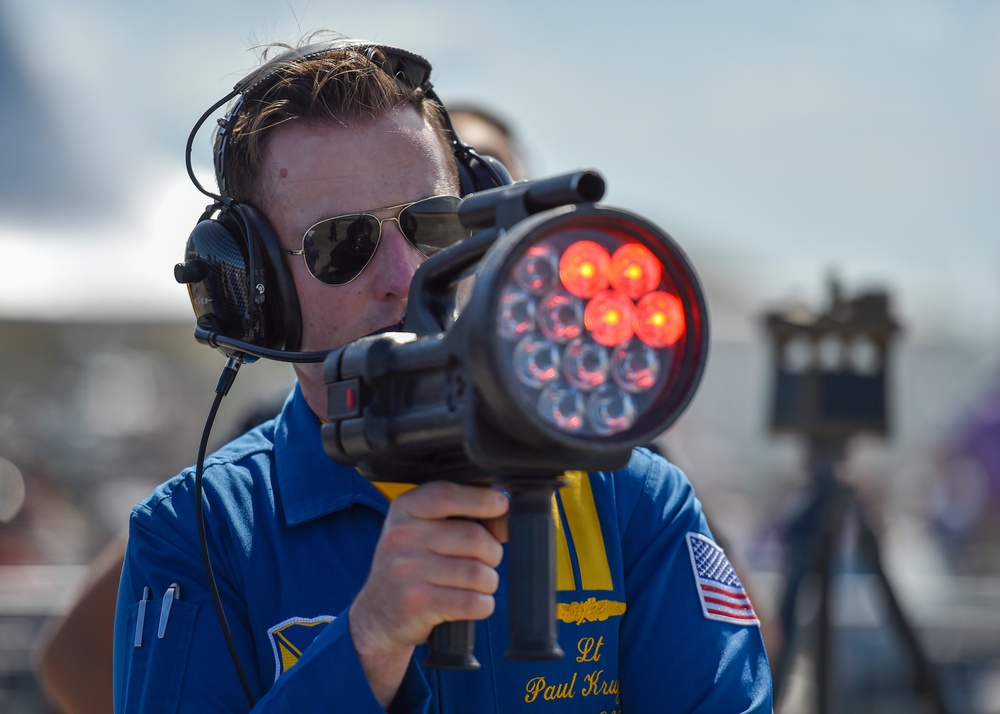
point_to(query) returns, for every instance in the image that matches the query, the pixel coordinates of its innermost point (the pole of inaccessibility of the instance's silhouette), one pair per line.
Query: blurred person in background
(490, 134)
(964, 497)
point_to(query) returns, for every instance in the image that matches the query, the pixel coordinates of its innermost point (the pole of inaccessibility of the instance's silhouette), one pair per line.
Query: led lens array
(592, 329)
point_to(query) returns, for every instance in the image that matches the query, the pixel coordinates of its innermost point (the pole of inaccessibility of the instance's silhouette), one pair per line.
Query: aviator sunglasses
(337, 250)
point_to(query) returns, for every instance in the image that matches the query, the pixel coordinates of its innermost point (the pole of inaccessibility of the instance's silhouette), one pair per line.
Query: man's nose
(395, 262)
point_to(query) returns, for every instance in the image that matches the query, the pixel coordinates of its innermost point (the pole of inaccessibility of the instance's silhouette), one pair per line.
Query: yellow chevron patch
(290, 638)
(289, 655)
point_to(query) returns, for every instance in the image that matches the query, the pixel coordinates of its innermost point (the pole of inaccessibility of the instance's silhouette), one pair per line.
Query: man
(331, 584)
(74, 655)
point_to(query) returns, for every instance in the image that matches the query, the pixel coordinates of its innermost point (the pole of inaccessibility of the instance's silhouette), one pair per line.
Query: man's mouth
(395, 327)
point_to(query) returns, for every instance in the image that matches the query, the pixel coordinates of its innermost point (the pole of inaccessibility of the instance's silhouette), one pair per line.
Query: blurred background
(788, 147)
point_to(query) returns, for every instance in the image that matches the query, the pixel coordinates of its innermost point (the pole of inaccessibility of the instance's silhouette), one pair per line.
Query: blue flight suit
(651, 615)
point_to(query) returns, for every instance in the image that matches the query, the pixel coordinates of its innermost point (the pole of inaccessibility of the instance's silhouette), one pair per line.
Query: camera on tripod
(585, 334)
(831, 376)
(831, 369)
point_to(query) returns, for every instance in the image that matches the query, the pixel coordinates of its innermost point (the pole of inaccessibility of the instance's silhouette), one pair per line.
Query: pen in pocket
(172, 593)
(140, 618)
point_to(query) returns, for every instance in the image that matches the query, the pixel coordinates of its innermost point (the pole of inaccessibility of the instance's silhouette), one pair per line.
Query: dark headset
(242, 293)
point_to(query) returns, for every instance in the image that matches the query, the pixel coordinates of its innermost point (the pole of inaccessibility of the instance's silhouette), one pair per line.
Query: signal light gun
(585, 334)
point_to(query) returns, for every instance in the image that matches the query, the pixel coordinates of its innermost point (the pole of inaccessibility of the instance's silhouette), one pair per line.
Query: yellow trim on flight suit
(564, 565)
(585, 529)
(391, 490)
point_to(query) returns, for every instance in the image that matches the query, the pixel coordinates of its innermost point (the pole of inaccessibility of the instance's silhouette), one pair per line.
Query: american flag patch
(719, 588)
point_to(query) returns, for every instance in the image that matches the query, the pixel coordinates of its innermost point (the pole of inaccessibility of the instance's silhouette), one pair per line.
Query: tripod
(814, 536)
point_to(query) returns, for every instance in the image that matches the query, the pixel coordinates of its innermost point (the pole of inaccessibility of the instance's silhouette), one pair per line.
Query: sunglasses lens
(432, 224)
(338, 249)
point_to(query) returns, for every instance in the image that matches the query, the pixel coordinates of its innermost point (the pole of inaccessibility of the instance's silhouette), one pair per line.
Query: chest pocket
(155, 669)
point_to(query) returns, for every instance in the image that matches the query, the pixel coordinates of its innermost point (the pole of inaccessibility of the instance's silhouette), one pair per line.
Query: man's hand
(429, 567)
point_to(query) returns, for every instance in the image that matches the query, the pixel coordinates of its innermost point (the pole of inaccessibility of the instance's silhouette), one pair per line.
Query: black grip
(532, 581)
(450, 646)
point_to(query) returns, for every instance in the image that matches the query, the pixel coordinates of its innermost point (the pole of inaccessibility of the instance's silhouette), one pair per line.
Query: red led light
(609, 316)
(635, 271)
(659, 319)
(583, 268)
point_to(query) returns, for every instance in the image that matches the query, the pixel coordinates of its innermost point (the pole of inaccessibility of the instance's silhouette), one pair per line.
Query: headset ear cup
(215, 270)
(281, 302)
(262, 311)
(479, 172)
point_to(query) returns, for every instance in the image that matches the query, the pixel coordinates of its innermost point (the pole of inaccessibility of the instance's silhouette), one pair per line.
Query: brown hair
(343, 86)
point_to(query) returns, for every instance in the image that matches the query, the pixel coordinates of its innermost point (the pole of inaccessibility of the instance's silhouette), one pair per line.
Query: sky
(778, 143)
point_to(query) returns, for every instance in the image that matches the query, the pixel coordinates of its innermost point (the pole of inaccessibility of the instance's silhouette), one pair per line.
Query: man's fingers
(452, 538)
(443, 499)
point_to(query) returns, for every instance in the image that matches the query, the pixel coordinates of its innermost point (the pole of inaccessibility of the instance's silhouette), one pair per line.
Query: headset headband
(408, 68)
